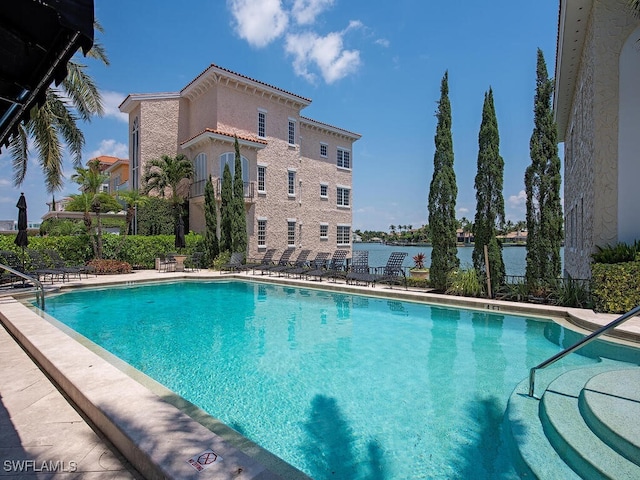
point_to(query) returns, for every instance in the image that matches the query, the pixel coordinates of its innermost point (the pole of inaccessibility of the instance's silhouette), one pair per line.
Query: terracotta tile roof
(331, 127)
(217, 67)
(226, 134)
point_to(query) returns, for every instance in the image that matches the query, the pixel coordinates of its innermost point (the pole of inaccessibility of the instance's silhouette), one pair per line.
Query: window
(262, 123)
(229, 158)
(262, 232)
(344, 234)
(262, 173)
(200, 177)
(292, 132)
(135, 155)
(324, 231)
(343, 197)
(324, 190)
(323, 150)
(291, 233)
(344, 158)
(292, 183)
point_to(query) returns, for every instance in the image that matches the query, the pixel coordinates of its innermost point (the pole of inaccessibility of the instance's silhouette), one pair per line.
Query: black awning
(37, 39)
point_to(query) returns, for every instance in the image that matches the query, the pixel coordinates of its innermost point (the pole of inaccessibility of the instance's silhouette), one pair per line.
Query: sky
(370, 67)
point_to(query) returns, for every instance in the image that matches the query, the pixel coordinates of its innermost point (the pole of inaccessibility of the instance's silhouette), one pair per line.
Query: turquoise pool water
(341, 386)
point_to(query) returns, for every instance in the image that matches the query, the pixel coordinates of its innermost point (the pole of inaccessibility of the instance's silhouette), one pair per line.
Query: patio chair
(13, 261)
(194, 262)
(359, 271)
(393, 272)
(301, 261)
(335, 268)
(267, 259)
(317, 263)
(234, 264)
(166, 263)
(42, 270)
(285, 258)
(58, 262)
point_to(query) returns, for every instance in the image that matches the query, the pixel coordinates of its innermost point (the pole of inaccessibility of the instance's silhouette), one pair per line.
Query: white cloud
(463, 210)
(111, 101)
(324, 53)
(111, 147)
(259, 22)
(305, 11)
(383, 42)
(519, 200)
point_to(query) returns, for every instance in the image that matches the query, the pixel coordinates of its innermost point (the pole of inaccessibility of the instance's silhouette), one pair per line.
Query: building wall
(591, 139)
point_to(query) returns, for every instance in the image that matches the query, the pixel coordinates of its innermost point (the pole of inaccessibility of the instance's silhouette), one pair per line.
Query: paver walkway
(41, 435)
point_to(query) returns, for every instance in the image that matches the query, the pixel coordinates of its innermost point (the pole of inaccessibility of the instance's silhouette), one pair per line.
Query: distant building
(297, 172)
(117, 169)
(597, 109)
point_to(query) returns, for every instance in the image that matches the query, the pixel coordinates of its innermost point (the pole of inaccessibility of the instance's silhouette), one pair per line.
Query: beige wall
(591, 139)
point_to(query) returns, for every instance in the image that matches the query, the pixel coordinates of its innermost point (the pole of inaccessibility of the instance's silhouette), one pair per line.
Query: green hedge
(616, 287)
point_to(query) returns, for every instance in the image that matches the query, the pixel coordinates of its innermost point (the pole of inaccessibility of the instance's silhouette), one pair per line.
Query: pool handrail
(588, 339)
(36, 282)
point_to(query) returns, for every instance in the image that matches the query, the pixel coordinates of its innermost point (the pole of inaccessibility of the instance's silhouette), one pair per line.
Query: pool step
(585, 426)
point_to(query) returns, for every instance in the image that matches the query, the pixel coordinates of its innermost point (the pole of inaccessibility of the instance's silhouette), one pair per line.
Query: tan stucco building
(297, 171)
(597, 109)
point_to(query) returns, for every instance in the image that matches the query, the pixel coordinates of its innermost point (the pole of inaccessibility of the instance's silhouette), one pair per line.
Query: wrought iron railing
(38, 286)
(197, 189)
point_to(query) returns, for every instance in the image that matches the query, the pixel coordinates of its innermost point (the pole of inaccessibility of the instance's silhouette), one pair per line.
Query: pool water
(340, 386)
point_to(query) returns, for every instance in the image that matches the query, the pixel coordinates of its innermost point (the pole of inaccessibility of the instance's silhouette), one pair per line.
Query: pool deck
(64, 408)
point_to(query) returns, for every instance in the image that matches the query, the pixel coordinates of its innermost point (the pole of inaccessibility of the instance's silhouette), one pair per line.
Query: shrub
(619, 253)
(109, 267)
(418, 260)
(616, 288)
(465, 283)
(221, 259)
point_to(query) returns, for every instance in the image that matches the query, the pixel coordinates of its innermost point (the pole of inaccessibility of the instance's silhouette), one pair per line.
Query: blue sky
(371, 67)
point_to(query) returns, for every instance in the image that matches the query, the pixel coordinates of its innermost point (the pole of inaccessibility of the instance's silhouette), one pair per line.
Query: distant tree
(226, 211)
(211, 244)
(239, 216)
(132, 199)
(392, 228)
(442, 196)
(489, 200)
(542, 185)
(156, 217)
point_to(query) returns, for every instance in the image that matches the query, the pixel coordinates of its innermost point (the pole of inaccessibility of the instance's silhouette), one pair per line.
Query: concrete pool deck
(39, 423)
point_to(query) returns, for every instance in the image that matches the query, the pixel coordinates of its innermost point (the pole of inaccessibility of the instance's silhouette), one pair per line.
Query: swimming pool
(339, 385)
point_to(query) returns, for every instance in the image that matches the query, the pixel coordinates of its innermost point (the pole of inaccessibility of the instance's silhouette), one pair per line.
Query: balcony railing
(197, 189)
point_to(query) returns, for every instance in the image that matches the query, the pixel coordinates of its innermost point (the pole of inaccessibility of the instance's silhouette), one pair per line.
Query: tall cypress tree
(542, 185)
(226, 211)
(211, 245)
(442, 196)
(489, 199)
(239, 216)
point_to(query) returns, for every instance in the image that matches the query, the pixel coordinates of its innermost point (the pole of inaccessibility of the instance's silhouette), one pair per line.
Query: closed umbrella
(21, 239)
(180, 242)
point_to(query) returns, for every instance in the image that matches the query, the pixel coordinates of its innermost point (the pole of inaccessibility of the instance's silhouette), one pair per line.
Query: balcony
(197, 189)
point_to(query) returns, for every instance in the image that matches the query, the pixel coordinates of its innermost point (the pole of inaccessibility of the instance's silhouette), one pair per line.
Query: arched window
(200, 175)
(229, 158)
(135, 155)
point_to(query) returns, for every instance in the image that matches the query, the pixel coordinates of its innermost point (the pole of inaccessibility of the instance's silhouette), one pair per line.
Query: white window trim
(295, 131)
(326, 146)
(350, 232)
(262, 110)
(290, 171)
(262, 219)
(290, 221)
(326, 237)
(350, 158)
(343, 187)
(324, 184)
(260, 165)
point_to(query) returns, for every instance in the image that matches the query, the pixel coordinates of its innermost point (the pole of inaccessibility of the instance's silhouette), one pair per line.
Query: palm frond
(42, 130)
(19, 151)
(82, 91)
(66, 125)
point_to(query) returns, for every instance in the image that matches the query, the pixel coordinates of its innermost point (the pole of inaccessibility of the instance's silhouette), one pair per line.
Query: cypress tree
(211, 245)
(542, 185)
(442, 196)
(226, 211)
(239, 216)
(489, 199)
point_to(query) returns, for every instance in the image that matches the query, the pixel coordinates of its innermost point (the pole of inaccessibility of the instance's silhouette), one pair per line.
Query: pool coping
(158, 431)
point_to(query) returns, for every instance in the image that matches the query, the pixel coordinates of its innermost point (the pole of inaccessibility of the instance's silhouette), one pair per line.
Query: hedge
(616, 287)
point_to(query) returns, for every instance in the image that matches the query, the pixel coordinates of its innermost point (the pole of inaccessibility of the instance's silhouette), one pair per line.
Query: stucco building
(297, 171)
(597, 109)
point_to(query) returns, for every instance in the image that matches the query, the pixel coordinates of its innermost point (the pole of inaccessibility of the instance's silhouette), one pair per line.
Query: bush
(465, 283)
(619, 253)
(616, 288)
(221, 259)
(109, 267)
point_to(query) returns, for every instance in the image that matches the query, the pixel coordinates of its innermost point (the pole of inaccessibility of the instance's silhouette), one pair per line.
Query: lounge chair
(335, 268)
(393, 272)
(301, 261)
(267, 259)
(317, 263)
(194, 262)
(42, 270)
(166, 263)
(58, 262)
(359, 270)
(285, 258)
(13, 261)
(235, 263)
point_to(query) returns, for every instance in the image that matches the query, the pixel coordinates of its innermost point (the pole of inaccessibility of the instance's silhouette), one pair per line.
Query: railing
(38, 285)
(621, 319)
(197, 189)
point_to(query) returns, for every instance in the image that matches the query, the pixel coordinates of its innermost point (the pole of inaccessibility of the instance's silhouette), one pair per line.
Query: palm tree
(635, 7)
(169, 174)
(92, 200)
(132, 200)
(54, 124)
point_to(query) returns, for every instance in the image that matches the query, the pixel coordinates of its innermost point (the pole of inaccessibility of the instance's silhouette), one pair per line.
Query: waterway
(514, 257)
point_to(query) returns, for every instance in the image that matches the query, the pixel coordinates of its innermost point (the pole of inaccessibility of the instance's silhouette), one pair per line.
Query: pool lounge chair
(317, 263)
(42, 270)
(335, 269)
(393, 272)
(267, 259)
(58, 262)
(194, 262)
(285, 258)
(301, 261)
(235, 263)
(359, 270)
